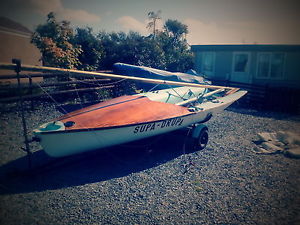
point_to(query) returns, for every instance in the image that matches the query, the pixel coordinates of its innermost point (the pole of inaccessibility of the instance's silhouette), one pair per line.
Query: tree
(92, 49)
(111, 43)
(153, 17)
(55, 41)
(62, 47)
(131, 48)
(176, 29)
(178, 55)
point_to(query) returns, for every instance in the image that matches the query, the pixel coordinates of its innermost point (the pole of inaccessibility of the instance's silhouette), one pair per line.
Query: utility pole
(154, 17)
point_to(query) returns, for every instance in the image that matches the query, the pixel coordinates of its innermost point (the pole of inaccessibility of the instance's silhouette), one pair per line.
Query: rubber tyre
(202, 140)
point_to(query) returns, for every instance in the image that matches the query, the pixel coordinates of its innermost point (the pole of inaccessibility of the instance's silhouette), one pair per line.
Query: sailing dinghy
(129, 118)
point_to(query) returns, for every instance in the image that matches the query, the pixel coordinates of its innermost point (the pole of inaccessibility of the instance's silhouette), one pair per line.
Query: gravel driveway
(226, 183)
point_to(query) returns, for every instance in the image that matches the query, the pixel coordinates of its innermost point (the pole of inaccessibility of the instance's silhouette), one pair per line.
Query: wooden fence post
(30, 92)
(27, 148)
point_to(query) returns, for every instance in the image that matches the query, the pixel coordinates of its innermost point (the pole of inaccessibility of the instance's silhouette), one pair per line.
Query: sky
(209, 21)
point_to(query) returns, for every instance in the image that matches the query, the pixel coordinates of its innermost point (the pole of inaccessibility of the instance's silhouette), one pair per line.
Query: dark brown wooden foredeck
(125, 110)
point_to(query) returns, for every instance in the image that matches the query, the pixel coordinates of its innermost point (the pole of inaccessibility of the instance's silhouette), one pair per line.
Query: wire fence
(62, 87)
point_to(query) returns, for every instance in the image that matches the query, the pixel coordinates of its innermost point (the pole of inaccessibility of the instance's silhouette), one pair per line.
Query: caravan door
(241, 67)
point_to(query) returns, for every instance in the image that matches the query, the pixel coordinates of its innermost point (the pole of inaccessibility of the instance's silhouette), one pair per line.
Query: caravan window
(270, 65)
(241, 62)
(208, 63)
(277, 65)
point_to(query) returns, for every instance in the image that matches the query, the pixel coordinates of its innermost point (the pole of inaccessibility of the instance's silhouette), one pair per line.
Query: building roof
(254, 47)
(12, 26)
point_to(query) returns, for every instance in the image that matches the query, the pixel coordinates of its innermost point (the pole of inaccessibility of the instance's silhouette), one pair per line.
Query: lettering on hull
(175, 122)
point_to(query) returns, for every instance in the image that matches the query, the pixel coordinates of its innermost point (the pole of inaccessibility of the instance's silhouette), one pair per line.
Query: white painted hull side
(62, 143)
(67, 143)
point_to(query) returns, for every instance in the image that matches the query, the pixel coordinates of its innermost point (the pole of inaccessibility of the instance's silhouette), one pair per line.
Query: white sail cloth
(284, 142)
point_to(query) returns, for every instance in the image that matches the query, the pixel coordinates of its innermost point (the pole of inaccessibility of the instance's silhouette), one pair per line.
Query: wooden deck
(121, 111)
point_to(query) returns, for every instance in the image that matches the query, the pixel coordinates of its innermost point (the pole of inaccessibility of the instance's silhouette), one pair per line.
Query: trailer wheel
(202, 139)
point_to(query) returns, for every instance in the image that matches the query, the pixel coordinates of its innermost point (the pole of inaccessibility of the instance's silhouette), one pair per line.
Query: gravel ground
(226, 183)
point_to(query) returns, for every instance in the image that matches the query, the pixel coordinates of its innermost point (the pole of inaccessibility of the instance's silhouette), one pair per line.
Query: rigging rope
(175, 92)
(154, 87)
(55, 102)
